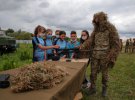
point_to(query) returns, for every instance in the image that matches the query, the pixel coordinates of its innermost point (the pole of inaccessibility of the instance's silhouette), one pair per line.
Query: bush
(25, 55)
(9, 65)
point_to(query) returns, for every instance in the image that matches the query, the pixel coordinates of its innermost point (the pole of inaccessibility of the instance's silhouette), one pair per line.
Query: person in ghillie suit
(105, 46)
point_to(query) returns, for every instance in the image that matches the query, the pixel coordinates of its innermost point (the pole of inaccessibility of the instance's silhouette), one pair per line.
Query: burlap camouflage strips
(40, 75)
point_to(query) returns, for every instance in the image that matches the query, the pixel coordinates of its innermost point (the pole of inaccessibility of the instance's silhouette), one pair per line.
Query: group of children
(49, 47)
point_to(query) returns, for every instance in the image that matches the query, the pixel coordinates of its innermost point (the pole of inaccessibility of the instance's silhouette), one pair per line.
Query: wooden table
(64, 91)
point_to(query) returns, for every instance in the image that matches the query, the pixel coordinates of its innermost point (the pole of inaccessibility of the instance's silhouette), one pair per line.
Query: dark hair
(81, 40)
(73, 32)
(62, 32)
(38, 28)
(49, 30)
(57, 31)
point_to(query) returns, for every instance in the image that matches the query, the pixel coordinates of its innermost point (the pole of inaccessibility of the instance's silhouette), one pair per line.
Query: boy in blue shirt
(73, 44)
(63, 44)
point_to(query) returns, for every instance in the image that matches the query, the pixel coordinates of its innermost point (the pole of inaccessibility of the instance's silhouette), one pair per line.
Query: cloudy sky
(66, 15)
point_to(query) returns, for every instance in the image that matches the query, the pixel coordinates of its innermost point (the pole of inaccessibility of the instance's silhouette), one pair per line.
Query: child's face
(57, 33)
(73, 36)
(84, 36)
(62, 37)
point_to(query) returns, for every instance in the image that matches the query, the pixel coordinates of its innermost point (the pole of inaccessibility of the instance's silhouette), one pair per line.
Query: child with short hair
(63, 44)
(73, 44)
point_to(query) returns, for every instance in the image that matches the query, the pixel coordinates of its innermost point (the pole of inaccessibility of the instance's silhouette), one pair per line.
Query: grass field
(22, 56)
(121, 80)
(121, 77)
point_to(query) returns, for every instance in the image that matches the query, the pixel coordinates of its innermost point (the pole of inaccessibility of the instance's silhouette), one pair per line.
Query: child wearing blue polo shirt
(63, 44)
(73, 44)
(56, 37)
(48, 41)
(39, 44)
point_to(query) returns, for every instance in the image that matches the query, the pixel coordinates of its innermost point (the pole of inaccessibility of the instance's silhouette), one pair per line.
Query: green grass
(121, 80)
(22, 56)
(121, 85)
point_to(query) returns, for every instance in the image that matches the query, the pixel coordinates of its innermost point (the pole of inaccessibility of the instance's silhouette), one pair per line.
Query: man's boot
(104, 91)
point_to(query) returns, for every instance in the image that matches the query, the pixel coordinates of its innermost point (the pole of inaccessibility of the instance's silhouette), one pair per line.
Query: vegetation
(19, 35)
(121, 80)
(22, 56)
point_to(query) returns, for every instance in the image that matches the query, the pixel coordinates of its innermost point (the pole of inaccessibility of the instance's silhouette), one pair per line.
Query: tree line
(19, 35)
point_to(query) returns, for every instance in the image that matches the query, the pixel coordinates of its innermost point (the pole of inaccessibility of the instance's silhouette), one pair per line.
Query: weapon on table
(77, 50)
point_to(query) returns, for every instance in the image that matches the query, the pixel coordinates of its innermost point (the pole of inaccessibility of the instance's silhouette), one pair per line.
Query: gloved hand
(110, 64)
(110, 60)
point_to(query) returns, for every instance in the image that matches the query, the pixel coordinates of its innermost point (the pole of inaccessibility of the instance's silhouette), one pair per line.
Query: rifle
(74, 50)
(77, 50)
(67, 51)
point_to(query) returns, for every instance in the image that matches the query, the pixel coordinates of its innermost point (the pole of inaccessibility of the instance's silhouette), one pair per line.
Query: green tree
(21, 35)
(19, 31)
(9, 31)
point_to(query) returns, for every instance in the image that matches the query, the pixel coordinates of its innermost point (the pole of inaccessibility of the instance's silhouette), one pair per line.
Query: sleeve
(86, 44)
(114, 45)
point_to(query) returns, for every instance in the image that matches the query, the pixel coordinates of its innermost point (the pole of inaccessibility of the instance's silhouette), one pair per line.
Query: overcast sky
(66, 14)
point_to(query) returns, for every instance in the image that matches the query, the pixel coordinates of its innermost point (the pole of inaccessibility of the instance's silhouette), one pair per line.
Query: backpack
(55, 41)
(35, 47)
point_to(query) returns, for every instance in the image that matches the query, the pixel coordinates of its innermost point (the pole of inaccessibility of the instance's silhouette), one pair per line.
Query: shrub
(9, 65)
(25, 55)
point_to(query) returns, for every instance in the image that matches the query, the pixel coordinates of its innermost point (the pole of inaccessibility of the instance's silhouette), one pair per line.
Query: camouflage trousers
(99, 65)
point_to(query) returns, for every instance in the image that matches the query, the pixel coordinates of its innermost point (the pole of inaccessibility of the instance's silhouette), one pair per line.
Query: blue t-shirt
(38, 53)
(63, 44)
(49, 43)
(72, 45)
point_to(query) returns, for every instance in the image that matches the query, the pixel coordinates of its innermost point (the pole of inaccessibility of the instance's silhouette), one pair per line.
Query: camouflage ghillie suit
(133, 49)
(127, 46)
(105, 46)
(121, 44)
(130, 45)
(37, 76)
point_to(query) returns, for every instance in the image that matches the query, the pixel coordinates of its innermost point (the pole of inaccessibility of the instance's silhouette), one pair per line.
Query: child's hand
(56, 46)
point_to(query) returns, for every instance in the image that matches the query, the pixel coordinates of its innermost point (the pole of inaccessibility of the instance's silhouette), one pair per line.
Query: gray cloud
(11, 4)
(66, 14)
(44, 4)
